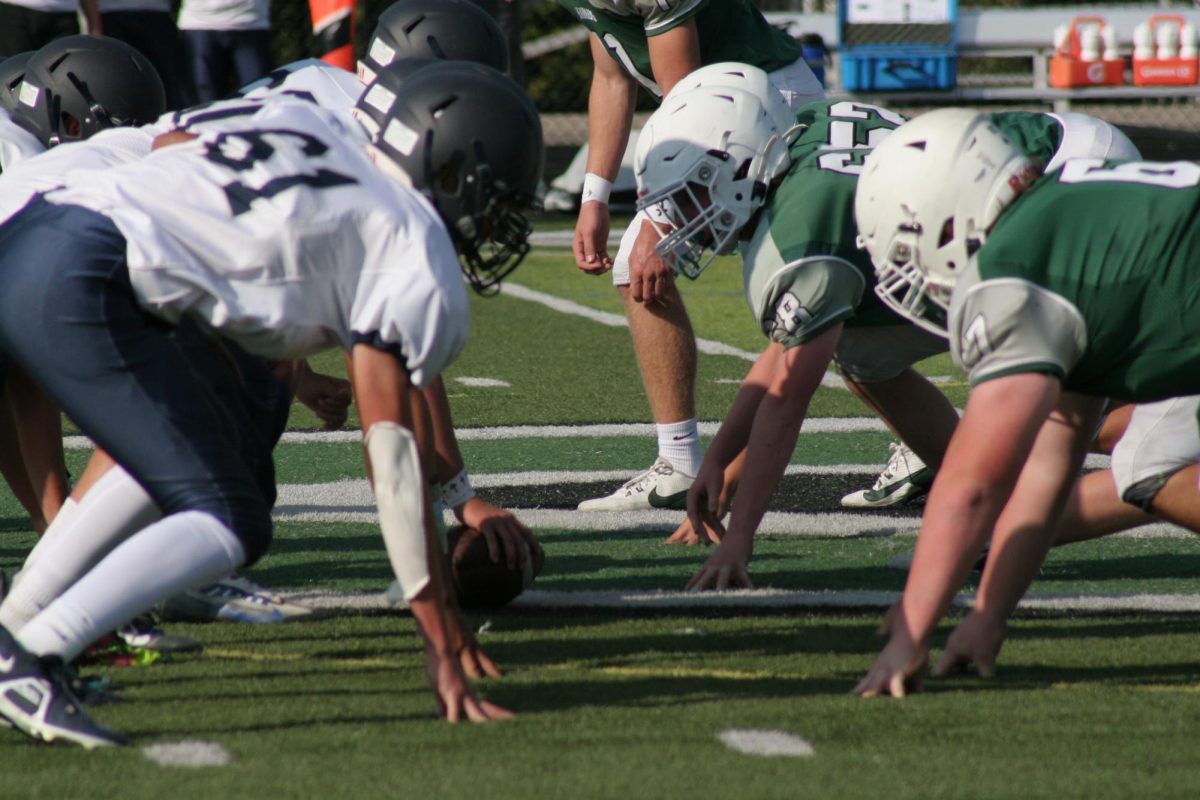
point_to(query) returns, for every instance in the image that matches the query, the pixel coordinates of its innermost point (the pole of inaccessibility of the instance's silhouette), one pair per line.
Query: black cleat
(36, 699)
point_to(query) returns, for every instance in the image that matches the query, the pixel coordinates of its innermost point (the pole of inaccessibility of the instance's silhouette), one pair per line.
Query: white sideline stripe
(759, 742)
(616, 600)
(188, 753)
(706, 346)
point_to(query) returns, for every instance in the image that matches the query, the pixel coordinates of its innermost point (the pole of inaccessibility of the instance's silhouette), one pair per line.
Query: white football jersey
(310, 80)
(49, 170)
(16, 143)
(285, 238)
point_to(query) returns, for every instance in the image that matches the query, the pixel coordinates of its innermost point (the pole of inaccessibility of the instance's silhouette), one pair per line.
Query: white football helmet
(735, 75)
(926, 200)
(704, 162)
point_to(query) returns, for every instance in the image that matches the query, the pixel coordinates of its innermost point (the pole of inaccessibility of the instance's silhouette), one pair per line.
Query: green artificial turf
(612, 707)
(630, 704)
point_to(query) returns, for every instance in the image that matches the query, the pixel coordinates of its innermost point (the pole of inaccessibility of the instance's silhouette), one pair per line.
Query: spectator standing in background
(228, 43)
(149, 27)
(29, 24)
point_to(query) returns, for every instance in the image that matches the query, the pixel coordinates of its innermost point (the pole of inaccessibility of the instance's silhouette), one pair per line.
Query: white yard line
(765, 599)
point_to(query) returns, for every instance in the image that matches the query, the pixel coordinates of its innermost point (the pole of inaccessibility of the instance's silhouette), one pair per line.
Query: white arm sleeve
(399, 495)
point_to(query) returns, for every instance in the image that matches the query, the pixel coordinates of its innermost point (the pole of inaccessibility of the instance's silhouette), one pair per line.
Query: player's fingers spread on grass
(488, 711)
(743, 578)
(487, 666)
(700, 581)
(684, 534)
(723, 576)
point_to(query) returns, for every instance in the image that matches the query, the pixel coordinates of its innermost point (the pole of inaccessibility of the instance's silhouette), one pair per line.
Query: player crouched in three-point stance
(67, 91)
(1056, 291)
(404, 38)
(315, 235)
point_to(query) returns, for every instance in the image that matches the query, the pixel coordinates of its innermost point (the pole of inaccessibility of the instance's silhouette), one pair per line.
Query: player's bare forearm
(448, 461)
(795, 375)
(985, 458)
(1026, 528)
(734, 433)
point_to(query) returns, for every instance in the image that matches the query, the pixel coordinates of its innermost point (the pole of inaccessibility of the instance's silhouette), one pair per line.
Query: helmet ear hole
(947, 233)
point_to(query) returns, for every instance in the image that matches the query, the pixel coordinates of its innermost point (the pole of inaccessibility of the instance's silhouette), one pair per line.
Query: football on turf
(480, 582)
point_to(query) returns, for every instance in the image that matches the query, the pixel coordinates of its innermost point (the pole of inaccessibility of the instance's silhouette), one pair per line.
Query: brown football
(480, 582)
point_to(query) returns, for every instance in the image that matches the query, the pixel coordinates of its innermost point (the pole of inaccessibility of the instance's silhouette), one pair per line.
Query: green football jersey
(729, 30)
(802, 269)
(1090, 276)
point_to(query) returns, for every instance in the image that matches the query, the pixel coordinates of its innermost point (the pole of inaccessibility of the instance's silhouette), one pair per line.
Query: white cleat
(236, 599)
(904, 479)
(658, 487)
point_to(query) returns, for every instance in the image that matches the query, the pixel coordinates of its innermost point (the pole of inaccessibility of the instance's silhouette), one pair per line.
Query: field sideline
(625, 686)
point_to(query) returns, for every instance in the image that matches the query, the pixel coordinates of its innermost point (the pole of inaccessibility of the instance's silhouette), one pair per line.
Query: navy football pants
(69, 315)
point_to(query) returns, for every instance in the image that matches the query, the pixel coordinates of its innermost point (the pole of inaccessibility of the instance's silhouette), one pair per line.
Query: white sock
(61, 521)
(679, 443)
(114, 509)
(177, 553)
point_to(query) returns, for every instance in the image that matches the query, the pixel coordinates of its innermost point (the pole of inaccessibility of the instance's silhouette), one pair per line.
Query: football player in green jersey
(655, 43)
(1057, 290)
(807, 285)
(901, 396)
(726, 174)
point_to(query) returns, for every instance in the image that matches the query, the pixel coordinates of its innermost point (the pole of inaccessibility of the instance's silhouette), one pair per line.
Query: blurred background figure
(228, 44)
(29, 24)
(149, 27)
(507, 14)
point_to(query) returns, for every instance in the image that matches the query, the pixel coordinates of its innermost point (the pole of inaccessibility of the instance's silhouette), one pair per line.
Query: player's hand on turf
(650, 275)
(506, 536)
(327, 396)
(474, 662)
(591, 239)
(455, 698)
(976, 640)
(899, 668)
(724, 569)
(686, 534)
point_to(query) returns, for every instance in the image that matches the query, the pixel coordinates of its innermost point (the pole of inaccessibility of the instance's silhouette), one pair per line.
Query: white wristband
(595, 189)
(457, 490)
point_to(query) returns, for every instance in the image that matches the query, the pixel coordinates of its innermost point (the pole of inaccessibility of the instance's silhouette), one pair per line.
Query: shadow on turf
(795, 493)
(287, 726)
(1128, 568)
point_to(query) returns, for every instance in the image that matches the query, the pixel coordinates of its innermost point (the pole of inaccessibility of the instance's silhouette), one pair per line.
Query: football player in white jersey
(66, 91)
(295, 234)
(461, 31)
